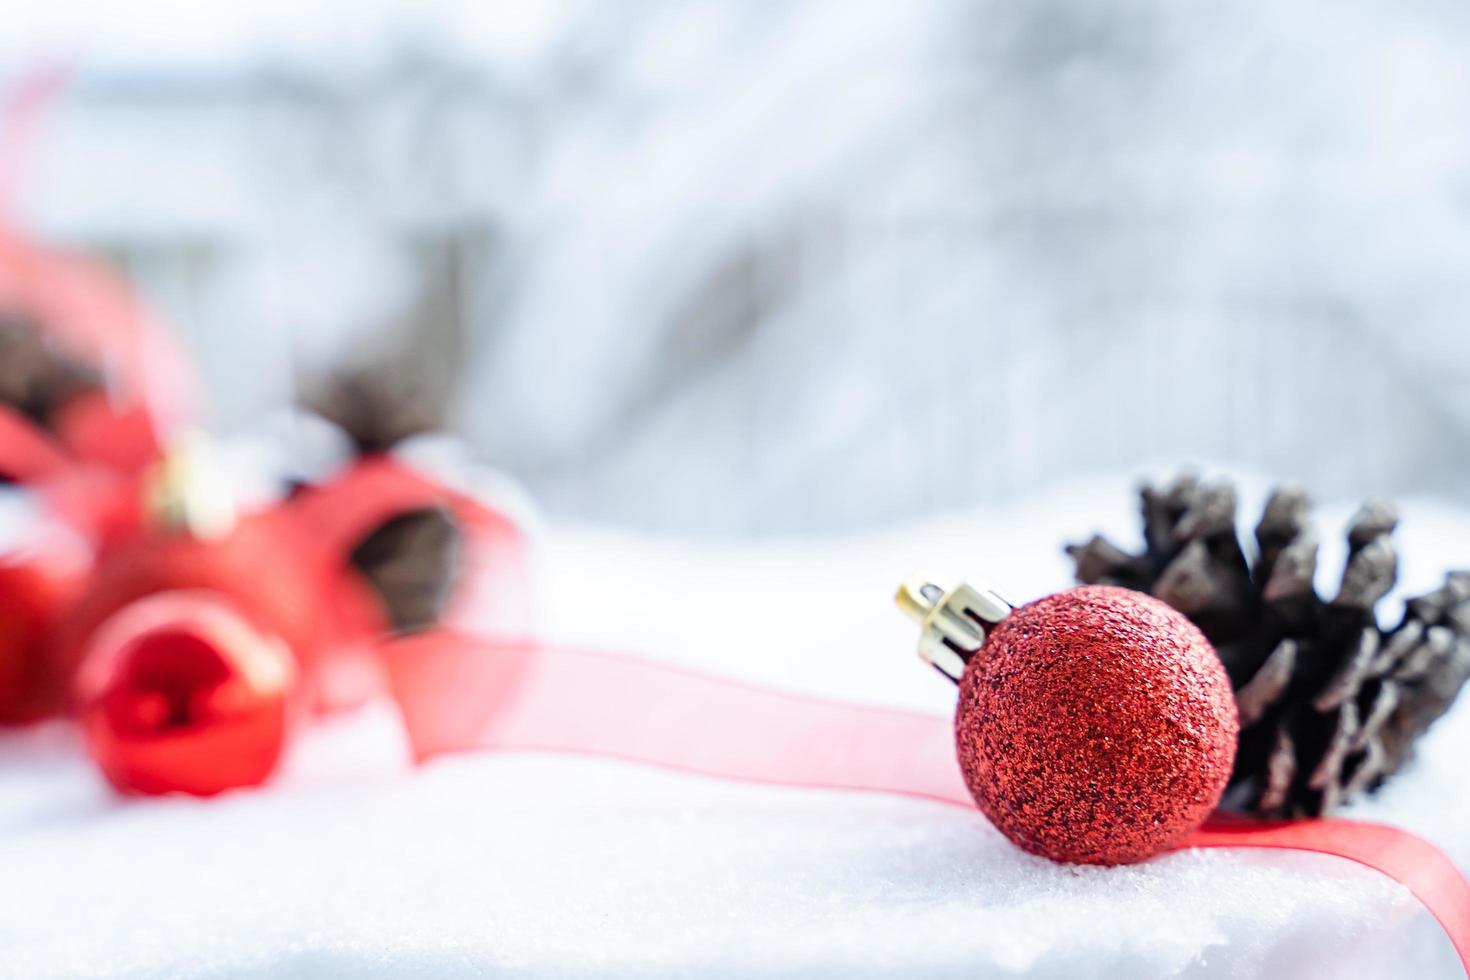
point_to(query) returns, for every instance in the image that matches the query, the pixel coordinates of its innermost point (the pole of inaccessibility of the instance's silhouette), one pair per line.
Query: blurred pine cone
(398, 379)
(395, 384)
(410, 561)
(36, 379)
(377, 406)
(1330, 703)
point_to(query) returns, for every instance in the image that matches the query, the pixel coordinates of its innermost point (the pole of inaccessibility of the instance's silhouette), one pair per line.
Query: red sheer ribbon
(459, 694)
(25, 107)
(374, 488)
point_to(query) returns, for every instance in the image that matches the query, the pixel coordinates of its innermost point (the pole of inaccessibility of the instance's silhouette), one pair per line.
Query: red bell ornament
(179, 692)
(1094, 726)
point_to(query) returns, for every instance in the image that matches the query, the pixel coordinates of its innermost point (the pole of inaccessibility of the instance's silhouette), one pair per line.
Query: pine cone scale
(1266, 687)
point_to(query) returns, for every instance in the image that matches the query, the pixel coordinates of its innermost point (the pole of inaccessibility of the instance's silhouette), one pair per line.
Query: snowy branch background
(731, 267)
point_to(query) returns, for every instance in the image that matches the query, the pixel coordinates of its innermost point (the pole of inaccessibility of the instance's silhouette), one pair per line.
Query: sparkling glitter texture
(1096, 726)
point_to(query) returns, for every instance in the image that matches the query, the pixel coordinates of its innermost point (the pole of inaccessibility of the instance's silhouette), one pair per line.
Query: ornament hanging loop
(953, 621)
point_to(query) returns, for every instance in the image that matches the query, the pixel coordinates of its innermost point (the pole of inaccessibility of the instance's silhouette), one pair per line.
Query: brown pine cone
(1330, 703)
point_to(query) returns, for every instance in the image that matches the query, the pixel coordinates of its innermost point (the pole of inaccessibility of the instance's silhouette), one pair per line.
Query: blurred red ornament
(1095, 726)
(180, 692)
(281, 581)
(36, 587)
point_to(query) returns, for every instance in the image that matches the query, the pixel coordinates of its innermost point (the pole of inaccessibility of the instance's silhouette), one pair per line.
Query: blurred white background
(733, 267)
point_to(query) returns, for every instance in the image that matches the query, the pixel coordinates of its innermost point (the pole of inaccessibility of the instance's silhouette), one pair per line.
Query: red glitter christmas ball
(1096, 726)
(180, 693)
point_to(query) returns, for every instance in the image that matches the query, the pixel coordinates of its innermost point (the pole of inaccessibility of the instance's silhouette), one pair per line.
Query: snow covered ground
(355, 864)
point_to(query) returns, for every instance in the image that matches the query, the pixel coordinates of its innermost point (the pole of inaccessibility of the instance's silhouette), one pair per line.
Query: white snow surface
(353, 863)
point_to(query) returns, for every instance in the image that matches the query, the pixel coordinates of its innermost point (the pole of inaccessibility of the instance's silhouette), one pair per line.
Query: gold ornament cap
(953, 622)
